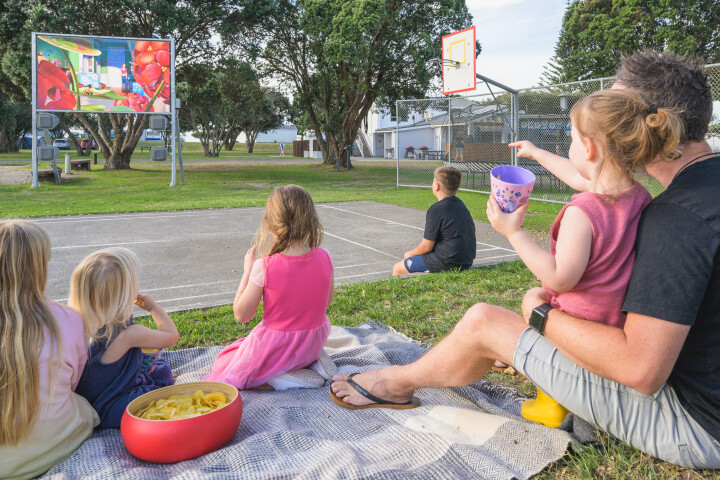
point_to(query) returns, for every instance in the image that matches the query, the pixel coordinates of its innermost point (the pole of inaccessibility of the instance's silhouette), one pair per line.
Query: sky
(518, 38)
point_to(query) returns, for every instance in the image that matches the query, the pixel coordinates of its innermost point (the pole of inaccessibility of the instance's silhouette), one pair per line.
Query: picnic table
(430, 154)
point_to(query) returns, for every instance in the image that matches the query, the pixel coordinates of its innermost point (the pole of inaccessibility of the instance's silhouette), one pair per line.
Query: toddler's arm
(425, 246)
(248, 294)
(572, 250)
(559, 166)
(140, 336)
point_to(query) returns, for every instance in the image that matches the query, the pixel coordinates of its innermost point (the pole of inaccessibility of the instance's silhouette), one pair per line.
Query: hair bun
(654, 120)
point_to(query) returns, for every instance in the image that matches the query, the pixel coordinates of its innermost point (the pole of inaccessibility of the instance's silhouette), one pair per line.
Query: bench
(80, 165)
(47, 174)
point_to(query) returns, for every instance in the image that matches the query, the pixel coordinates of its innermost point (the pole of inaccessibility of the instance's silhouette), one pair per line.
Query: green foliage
(341, 56)
(15, 122)
(596, 33)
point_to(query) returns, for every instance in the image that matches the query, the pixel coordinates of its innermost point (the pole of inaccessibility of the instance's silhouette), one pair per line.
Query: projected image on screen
(103, 74)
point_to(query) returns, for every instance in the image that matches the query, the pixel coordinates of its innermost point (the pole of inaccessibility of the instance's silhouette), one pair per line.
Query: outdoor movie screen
(103, 74)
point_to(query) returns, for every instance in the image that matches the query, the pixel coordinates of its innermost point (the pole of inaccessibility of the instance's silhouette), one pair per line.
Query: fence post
(67, 162)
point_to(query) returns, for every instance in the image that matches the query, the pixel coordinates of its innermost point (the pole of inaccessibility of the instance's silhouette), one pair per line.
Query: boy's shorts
(415, 264)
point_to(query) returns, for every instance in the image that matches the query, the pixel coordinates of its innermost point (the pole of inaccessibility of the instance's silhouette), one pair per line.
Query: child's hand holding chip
(145, 302)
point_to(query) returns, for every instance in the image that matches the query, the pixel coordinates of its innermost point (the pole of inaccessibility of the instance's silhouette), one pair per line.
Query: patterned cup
(511, 186)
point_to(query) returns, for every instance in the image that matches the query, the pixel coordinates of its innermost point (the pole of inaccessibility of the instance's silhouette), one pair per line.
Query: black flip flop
(379, 402)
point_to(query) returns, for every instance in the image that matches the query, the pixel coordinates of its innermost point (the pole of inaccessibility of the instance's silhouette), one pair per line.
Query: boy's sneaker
(300, 378)
(324, 366)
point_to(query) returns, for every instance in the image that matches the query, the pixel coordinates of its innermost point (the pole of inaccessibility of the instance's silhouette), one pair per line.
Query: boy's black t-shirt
(449, 224)
(676, 278)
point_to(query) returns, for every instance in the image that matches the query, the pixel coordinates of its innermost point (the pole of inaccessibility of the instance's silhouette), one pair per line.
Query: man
(653, 384)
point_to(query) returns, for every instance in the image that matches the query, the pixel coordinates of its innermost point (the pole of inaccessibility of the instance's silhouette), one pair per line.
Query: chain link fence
(472, 133)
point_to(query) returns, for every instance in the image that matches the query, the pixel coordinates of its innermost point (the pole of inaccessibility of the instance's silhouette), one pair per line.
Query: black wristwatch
(538, 317)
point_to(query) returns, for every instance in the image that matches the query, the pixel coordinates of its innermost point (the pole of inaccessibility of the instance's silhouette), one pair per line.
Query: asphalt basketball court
(194, 259)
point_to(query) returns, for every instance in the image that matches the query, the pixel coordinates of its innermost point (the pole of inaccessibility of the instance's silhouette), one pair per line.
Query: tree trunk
(116, 151)
(230, 143)
(118, 160)
(72, 138)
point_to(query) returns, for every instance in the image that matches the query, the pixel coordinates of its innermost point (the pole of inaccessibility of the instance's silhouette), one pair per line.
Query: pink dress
(294, 326)
(612, 255)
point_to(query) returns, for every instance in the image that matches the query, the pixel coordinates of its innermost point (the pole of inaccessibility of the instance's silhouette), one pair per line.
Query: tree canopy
(340, 56)
(192, 23)
(596, 33)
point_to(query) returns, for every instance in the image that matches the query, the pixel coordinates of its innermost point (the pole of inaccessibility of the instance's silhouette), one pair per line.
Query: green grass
(221, 185)
(423, 307)
(190, 150)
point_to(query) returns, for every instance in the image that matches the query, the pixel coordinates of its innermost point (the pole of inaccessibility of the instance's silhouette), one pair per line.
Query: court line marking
(363, 274)
(172, 240)
(359, 244)
(392, 222)
(127, 216)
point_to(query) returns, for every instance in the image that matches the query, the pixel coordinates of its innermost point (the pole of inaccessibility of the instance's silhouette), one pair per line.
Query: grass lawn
(422, 307)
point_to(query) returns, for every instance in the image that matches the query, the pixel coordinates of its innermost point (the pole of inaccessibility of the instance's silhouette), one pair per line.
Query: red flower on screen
(53, 91)
(151, 66)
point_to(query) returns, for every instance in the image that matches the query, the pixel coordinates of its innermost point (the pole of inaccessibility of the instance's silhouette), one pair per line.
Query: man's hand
(526, 149)
(505, 224)
(534, 298)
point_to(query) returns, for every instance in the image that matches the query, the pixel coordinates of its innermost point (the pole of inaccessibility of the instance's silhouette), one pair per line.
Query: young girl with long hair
(614, 134)
(103, 288)
(42, 354)
(294, 278)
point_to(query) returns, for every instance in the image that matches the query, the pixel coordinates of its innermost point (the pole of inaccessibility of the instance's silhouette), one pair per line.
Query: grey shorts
(656, 424)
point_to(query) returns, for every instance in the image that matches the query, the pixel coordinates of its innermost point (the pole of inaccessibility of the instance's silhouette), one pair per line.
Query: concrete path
(193, 259)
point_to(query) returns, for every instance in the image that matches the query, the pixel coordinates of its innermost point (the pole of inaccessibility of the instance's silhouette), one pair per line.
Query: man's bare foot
(381, 383)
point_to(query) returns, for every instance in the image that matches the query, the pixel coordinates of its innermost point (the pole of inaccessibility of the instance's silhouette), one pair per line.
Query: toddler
(102, 289)
(294, 278)
(614, 133)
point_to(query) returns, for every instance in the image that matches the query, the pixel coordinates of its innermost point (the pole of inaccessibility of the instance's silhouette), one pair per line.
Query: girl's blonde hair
(289, 216)
(25, 319)
(103, 288)
(631, 132)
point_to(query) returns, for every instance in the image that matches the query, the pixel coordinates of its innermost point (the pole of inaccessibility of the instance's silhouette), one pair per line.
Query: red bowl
(170, 441)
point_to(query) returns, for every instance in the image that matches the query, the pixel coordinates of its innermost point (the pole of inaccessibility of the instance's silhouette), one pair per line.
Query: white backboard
(460, 48)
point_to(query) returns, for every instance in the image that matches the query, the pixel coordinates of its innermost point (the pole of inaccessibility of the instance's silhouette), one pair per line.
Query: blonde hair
(289, 216)
(25, 319)
(103, 288)
(632, 132)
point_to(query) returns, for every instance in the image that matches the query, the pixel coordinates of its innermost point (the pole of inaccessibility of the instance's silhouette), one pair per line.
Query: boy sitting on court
(449, 238)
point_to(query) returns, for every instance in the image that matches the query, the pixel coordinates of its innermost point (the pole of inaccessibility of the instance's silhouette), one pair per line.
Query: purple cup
(511, 186)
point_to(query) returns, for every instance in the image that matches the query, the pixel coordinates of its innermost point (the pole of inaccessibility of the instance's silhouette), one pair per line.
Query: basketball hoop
(458, 61)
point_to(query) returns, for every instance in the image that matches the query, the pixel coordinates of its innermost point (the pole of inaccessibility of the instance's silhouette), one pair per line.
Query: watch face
(539, 317)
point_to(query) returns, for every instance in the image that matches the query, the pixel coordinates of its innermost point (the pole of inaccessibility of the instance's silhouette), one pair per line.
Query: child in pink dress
(294, 278)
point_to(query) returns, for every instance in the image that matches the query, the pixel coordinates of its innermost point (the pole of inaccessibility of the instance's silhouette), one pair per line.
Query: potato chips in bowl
(181, 421)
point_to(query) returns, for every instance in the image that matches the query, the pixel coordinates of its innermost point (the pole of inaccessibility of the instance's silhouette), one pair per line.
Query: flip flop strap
(367, 394)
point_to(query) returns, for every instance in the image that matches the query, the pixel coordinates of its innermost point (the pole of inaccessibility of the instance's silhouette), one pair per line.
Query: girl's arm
(140, 336)
(559, 166)
(572, 250)
(248, 294)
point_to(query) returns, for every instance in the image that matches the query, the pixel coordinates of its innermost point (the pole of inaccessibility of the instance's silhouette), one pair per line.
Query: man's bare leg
(485, 333)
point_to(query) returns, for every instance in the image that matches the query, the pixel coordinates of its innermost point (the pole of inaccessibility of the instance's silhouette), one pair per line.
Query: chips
(177, 407)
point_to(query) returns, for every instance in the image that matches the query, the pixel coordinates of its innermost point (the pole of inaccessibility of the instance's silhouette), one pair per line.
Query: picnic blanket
(468, 432)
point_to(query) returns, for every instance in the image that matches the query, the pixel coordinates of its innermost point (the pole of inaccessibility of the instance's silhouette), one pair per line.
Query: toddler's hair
(631, 132)
(25, 318)
(103, 288)
(449, 179)
(289, 216)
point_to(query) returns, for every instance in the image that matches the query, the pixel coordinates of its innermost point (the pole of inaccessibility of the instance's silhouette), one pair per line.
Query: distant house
(286, 133)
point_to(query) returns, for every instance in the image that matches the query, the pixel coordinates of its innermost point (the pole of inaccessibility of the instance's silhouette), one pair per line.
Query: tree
(596, 33)
(266, 112)
(15, 123)
(192, 24)
(342, 56)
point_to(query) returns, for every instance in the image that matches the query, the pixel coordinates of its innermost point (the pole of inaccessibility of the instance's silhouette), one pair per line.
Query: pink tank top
(295, 295)
(599, 294)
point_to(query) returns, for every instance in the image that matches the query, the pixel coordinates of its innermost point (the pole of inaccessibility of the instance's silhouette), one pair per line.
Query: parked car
(61, 143)
(86, 142)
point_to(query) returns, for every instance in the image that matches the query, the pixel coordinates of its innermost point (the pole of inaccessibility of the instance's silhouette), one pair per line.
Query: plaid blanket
(468, 432)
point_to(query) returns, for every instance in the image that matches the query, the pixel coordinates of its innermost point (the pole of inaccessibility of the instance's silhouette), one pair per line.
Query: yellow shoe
(544, 410)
